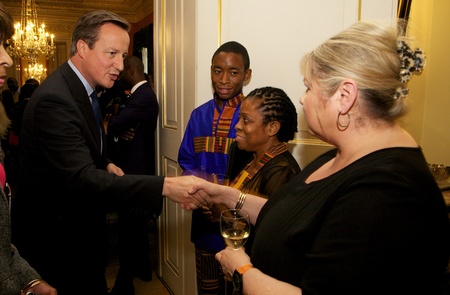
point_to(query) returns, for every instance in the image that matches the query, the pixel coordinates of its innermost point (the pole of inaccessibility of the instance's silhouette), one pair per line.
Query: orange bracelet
(243, 269)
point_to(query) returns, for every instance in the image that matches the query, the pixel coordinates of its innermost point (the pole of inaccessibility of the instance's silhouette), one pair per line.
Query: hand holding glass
(235, 227)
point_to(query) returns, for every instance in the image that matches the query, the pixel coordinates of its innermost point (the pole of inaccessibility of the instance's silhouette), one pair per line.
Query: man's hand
(177, 189)
(128, 135)
(111, 168)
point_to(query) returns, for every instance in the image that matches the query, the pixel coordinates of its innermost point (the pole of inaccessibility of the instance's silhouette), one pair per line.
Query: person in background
(16, 275)
(139, 113)
(135, 155)
(149, 79)
(16, 125)
(267, 121)
(205, 147)
(366, 217)
(26, 91)
(33, 82)
(110, 101)
(66, 180)
(10, 96)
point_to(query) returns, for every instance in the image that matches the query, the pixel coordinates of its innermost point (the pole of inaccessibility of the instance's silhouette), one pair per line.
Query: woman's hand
(42, 288)
(255, 281)
(231, 259)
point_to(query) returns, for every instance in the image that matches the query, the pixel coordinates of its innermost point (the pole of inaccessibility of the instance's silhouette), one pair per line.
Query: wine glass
(235, 227)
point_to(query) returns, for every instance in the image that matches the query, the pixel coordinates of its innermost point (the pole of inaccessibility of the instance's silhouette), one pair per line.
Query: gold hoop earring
(342, 127)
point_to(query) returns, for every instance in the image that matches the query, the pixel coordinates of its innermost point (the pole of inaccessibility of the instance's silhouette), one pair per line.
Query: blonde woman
(366, 217)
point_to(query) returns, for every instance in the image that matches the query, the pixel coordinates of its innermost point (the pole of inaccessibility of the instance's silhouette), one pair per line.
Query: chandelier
(36, 71)
(31, 40)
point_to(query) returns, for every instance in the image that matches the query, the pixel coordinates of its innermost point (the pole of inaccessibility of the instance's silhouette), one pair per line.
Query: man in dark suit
(135, 154)
(140, 114)
(66, 179)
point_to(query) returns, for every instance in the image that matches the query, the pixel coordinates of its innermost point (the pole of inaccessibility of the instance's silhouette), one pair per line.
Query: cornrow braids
(277, 106)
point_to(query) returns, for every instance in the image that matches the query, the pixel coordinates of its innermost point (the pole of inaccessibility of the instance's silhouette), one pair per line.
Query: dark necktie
(96, 109)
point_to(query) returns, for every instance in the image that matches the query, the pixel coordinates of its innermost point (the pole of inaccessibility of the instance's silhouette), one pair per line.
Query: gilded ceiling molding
(54, 11)
(60, 28)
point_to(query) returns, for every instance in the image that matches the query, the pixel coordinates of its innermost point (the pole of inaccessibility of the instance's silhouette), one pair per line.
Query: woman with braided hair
(366, 217)
(267, 121)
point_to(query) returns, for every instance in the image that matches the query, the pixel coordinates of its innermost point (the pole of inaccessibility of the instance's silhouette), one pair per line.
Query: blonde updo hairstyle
(367, 53)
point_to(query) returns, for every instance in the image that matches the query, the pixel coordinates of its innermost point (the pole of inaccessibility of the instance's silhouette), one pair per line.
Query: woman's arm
(254, 281)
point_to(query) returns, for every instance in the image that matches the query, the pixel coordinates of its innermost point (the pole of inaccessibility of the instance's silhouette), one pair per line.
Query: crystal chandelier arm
(31, 40)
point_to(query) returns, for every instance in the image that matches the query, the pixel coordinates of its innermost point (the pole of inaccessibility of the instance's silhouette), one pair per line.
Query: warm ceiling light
(31, 40)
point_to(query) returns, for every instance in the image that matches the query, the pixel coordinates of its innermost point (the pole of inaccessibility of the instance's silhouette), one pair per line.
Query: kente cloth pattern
(219, 142)
(245, 175)
(212, 144)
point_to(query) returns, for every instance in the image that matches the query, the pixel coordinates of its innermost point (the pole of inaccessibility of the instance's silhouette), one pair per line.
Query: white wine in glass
(235, 227)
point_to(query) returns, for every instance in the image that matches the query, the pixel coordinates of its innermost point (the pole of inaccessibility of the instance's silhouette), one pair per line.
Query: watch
(237, 278)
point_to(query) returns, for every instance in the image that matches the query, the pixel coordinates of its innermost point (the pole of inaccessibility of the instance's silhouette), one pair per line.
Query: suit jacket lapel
(82, 98)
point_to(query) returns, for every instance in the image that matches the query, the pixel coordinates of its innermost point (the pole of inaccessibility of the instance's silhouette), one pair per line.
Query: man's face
(228, 74)
(105, 61)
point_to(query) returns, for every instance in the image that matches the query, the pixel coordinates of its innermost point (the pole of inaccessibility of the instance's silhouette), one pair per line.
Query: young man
(205, 148)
